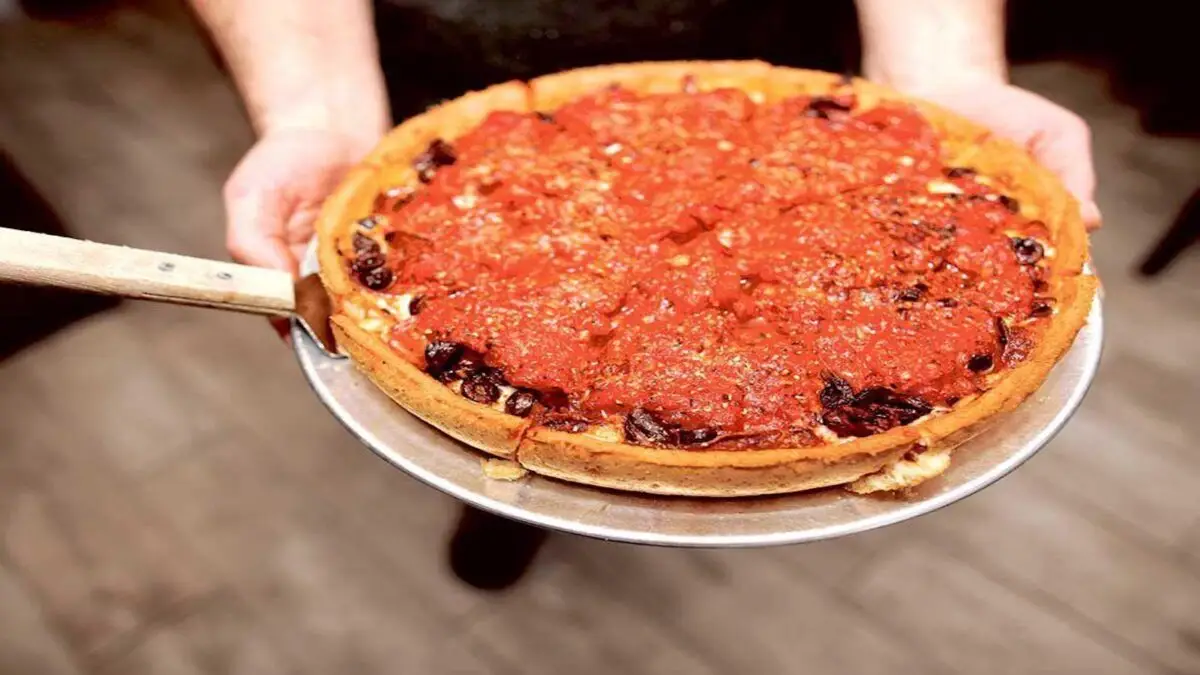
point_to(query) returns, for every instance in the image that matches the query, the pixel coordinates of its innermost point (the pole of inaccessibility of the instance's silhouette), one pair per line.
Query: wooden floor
(173, 500)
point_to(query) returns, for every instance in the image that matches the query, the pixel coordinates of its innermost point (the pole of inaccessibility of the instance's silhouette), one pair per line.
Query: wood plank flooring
(173, 500)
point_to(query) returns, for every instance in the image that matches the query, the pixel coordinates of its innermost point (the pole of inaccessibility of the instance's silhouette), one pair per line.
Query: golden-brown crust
(479, 426)
(595, 459)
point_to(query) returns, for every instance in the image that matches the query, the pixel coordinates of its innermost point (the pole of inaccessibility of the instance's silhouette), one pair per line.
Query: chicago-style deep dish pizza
(700, 278)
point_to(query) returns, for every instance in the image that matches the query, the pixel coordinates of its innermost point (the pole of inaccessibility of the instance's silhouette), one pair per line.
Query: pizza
(704, 278)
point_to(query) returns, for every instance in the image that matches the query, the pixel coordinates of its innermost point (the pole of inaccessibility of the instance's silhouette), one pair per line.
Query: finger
(255, 231)
(1067, 151)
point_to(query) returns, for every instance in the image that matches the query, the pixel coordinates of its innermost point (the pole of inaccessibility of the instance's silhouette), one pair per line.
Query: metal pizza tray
(454, 468)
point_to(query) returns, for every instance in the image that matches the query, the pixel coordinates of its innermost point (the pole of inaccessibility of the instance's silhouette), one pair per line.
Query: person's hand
(274, 195)
(1057, 137)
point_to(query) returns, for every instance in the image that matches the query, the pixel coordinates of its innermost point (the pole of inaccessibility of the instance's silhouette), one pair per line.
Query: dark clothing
(433, 50)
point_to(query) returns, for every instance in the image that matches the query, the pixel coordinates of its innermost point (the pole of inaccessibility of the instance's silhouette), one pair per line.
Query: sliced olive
(836, 392)
(1002, 333)
(521, 402)
(1017, 347)
(821, 107)
(438, 154)
(913, 293)
(907, 408)
(1028, 250)
(1040, 309)
(980, 363)
(958, 172)
(441, 356)
(377, 279)
(699, 436)
(873, 411)
(1009, 203)
(399, 197)
(643, 427)
(364, 245)
(468, 364)
(481, 388)
(367, 261)
(415, 305)
(566, 423)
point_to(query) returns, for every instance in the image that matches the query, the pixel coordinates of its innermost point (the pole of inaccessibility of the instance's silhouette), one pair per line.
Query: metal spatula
(46, 260)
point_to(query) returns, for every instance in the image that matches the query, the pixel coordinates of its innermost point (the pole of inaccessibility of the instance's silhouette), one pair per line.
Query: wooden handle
(46, 260)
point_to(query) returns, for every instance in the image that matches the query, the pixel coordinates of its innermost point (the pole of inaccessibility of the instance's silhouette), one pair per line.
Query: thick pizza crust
(594, 457)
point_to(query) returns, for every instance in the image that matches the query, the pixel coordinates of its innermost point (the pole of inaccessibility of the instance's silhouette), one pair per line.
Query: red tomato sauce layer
(722, 265)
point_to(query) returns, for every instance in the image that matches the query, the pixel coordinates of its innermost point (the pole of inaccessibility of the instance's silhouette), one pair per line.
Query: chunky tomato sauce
(740, 272)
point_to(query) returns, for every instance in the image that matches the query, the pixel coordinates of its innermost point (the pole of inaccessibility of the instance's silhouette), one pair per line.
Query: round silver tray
(454, 468)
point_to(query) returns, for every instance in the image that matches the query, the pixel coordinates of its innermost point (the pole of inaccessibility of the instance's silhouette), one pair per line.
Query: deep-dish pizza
(704, 278)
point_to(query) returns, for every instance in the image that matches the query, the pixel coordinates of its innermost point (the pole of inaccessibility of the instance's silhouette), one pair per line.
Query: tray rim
(1090, 341)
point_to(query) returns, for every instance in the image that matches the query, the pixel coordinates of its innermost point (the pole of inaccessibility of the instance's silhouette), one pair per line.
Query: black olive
(980, 363)
(847, 422)
(874, 410)
(1028, 250)
(699, 436)
(1040, 286)
(364, 245)
(545, 117)
(521, 402)
(908, 408)
(394, 199)
(367, 262)
(913, 293)
(822, 106)
(416, 305)
(441, 356)
(958, 172)
(836, 392)
(1001, 331)
(1040, 309)
(377, 279)
(481, 388)
(438, 154)
(642, 427)
(569, 424)
(468, 364)
(1009, 203)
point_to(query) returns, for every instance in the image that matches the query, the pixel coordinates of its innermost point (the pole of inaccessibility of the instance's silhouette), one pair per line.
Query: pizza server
(47, 260)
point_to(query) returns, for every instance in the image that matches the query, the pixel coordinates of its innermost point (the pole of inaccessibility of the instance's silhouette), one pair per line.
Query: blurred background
(173, 499)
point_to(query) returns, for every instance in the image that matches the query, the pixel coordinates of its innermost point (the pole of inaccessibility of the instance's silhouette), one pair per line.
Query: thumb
(1068, 153)
(255, 234)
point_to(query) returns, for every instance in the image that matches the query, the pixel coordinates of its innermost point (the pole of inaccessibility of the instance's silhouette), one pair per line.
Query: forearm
(307, 64)
(919, 45)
